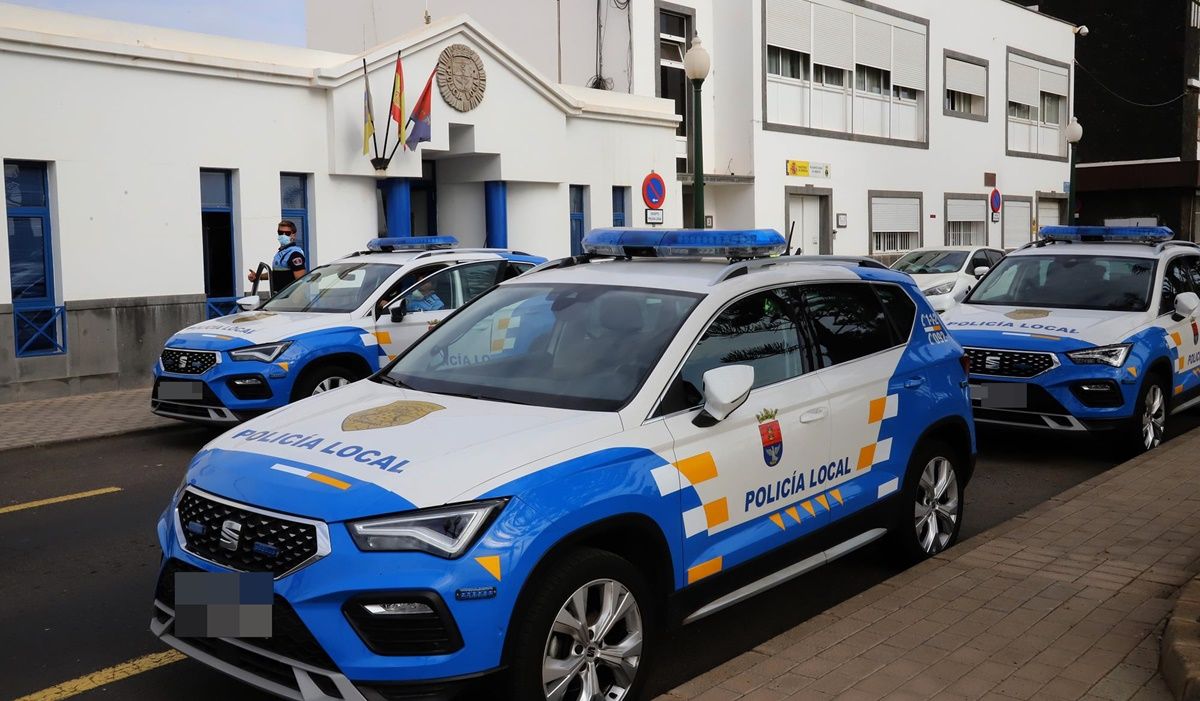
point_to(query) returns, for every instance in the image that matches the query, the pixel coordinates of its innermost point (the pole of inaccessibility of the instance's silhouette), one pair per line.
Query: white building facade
(146, 169)
(860, 127)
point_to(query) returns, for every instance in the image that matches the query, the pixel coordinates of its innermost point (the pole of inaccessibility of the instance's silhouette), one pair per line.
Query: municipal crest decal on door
(771, 435)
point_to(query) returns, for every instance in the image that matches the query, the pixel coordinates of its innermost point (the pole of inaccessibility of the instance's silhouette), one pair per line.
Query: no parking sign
(654, 191)
(995, 200)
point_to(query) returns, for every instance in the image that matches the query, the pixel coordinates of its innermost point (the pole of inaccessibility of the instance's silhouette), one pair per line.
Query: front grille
(1007, 363)
(290, 638)
(187, 362)
(412, 634)
(242, 539)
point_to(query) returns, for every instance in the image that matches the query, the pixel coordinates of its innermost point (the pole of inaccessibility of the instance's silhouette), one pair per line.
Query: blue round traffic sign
(995, 200)
(654, 191)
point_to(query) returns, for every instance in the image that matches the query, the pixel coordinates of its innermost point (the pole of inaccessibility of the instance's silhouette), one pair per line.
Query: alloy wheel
(1154, 417)
(330, 383)
(935, 513)
(594, 646)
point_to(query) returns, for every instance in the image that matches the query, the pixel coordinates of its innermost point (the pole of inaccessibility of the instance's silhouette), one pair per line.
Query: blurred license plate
(1000, 395)
(223, 605)
(181, 390)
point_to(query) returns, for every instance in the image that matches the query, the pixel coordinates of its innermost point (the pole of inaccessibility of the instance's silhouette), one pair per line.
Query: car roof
(702, 275)
(403, 257)
(951, 248)
(1123, 250)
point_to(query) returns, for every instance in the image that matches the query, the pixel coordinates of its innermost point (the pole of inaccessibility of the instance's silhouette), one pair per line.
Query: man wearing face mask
(289, 263)
(425, 299)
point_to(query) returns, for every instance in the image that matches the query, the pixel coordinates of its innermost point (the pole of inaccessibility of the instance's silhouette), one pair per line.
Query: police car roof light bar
(1107, 234)
(684, 243)
(410, 243)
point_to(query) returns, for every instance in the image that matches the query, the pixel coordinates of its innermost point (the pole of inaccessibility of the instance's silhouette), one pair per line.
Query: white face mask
(284, 240)
(418, 295)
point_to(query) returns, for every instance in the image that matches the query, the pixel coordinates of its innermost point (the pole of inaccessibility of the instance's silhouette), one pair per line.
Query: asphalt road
(77, 577)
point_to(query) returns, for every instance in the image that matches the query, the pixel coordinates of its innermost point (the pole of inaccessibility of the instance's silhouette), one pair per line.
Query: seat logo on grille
(231, 534)
(991, 362)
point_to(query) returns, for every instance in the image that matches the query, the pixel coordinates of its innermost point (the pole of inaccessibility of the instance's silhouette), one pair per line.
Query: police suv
(1086, 329)
(337, 324)
(617, 442)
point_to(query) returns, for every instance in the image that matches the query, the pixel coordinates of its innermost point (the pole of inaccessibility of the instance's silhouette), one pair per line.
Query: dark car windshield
(1067, 281)
(567, 346)
(339, 287)
(931, 262)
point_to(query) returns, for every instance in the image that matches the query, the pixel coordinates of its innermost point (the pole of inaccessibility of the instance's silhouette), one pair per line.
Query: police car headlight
(445, 531)
(1113, 355)
(943, 289)
(266, 353)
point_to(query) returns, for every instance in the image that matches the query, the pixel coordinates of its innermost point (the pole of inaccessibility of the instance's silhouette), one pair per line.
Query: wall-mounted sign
(654, 216)
(809, 169)
(460, 77)
(995, 201)
(842, 220)
(654, 191)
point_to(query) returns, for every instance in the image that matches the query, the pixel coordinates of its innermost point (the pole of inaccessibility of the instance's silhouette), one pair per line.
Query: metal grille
(1004, 363)
(187, 362)
(242, 539)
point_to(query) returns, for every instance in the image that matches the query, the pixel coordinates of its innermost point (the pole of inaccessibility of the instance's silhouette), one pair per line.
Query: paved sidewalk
(82, 416)
(1066, 601)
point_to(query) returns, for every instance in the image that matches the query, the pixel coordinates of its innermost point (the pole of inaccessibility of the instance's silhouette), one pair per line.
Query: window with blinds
(849, 53)
(895, 224)
(966, 222)
(966, 87)
(1037, 105)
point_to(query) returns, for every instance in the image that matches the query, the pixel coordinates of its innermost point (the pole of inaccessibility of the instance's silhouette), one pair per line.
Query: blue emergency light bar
(684, 243)
(411, 243)
(1096, 234)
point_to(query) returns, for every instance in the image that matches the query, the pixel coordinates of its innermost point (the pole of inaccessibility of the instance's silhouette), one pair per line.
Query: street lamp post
(1074, 134)
(696, 64)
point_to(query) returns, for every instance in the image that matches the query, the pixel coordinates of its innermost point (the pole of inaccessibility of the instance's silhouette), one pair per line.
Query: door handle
(914, 382)
(813, 415)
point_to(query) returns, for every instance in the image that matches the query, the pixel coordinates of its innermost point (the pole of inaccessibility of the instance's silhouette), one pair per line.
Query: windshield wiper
(389, 380)
(481, 397)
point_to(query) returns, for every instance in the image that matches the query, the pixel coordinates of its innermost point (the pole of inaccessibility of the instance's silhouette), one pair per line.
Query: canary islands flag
(420, 117)
(368, 112)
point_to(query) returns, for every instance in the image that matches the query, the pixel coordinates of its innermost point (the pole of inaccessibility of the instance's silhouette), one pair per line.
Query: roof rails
(440, 251)
(746, 267)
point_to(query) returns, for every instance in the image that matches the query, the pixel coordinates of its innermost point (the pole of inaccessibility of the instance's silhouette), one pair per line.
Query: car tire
(1148, 426)
(931, 504)
(548, 651)
(321, 379)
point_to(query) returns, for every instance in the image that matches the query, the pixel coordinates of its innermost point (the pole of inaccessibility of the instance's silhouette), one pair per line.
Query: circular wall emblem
(460, 77)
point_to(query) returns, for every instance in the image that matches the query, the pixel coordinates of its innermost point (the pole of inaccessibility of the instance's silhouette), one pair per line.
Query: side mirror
(399, 311)
(725, 389)
(248, 302)
(1186, 304)
(980, 271)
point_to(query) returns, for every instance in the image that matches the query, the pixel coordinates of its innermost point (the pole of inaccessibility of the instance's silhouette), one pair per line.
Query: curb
(1180, 655)
(115, 433)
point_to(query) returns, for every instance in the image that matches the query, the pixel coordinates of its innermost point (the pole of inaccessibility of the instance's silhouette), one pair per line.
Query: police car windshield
(931, 262)
(567, 346)
(339, 287)
(1069, 282)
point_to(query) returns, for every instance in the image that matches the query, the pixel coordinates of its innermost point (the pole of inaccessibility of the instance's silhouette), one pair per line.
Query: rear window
(899, 306)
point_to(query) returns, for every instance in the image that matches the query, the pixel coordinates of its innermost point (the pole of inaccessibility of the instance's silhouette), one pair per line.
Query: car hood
(369, 449)
(1038, 328)
(252, 328)
(933, 280)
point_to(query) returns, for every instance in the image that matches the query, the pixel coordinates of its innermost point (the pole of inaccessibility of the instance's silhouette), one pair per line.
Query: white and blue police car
(1086, 329)
(337, 324)
(614, 443)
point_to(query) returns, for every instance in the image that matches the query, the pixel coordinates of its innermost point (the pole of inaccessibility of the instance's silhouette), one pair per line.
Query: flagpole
(387, 129)
(367, 86)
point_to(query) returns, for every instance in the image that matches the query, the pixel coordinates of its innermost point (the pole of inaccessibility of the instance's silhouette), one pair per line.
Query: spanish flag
(398, 97)
(368, 112)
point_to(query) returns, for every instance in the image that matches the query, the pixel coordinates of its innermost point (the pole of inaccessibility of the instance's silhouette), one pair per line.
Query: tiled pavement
(1067, 601)
(43, 421)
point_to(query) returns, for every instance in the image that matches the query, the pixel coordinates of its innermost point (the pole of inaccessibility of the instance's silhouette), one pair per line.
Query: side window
(994, 258)
(1194, 270)
(848, 321)
(760, 330)
(406, 281)
(979, 260)
(453, 287)
(1176, 279)
(899, 307)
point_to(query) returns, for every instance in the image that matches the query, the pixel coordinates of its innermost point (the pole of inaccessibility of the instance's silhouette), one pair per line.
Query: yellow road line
(105, 676)
(58, 500)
